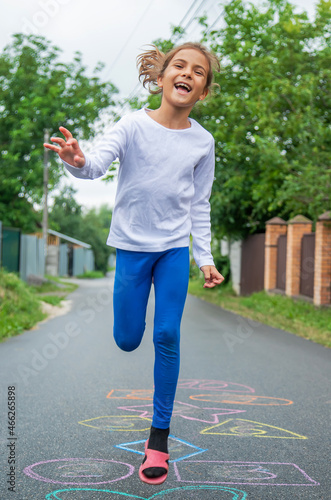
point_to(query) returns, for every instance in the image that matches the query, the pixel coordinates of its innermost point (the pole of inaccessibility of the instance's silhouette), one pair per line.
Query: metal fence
(83, 261)
(307, 265)
(281, 262)
(32, 256)
(10, 249)
(24, 254)
(252, 264)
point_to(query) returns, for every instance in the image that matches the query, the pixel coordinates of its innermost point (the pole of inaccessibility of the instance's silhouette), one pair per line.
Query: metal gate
(281, 262)
(252, 264)
(307, 265)
(10, 251)
(70, 260)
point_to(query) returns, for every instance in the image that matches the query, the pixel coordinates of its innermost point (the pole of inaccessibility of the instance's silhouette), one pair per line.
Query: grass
(91, 275)
(54, 300)
(20, 308)
(20, 304)
(292, 315)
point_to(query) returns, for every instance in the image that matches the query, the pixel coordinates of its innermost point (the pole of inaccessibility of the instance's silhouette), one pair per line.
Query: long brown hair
(153, 63)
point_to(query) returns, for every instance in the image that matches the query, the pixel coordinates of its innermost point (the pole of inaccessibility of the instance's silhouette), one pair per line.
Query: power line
(215, 22)
(130, 36)
(187, 12)
(195, 14)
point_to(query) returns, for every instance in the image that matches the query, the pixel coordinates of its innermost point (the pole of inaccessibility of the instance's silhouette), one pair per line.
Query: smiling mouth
(183, 88)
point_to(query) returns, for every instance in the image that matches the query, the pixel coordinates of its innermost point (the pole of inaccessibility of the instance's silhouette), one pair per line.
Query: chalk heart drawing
(186, 411)
(183, 493)
(239, 473)
(248, 428)
(213, 385)
(79, 471)
(241, 399)
(118, 423)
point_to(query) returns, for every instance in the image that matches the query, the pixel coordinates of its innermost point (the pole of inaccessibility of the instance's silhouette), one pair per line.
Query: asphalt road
(251, 419)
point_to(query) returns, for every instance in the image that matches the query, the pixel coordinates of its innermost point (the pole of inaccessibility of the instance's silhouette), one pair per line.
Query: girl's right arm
(68, 149)
(113, 144)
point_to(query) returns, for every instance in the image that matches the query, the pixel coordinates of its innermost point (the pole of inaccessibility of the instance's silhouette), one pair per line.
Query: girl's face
(184, 80)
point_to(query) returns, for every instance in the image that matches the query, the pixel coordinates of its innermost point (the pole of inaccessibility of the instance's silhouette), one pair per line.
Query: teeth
(183, 85)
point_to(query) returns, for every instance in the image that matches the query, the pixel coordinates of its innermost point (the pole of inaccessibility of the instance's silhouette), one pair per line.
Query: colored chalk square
(79, 471)
(239, 473)
(118, 423)
(183, 493)
(178, 449)
(248, 428)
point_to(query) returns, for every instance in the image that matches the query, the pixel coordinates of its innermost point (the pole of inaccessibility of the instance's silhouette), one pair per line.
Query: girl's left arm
(200, 217)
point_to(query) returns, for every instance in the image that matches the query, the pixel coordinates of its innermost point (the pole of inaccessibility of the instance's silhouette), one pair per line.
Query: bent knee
(128, 342)
(127, 346)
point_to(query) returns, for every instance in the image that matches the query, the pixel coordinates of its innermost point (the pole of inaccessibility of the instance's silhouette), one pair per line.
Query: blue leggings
(133, 279)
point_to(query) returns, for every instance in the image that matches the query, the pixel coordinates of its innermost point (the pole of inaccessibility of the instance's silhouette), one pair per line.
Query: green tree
(95, 229)
(270, 114)
(67, 217)
(38, 91)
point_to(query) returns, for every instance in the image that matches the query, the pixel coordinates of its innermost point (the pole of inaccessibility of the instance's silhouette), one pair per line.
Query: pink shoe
(154, 459)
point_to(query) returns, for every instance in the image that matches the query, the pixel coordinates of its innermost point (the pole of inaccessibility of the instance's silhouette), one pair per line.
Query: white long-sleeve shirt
(164, 184)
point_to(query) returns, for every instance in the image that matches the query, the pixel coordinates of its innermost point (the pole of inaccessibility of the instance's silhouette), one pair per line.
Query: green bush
(222, 264)
(20, 309)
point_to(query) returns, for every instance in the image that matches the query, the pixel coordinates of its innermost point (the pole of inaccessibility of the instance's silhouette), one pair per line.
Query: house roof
(68, 238)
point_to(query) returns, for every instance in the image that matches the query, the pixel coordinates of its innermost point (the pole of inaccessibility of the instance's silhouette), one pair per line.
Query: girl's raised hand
(68, 149)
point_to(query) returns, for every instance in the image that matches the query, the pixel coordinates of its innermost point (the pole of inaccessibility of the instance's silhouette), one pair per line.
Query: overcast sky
(111, 31)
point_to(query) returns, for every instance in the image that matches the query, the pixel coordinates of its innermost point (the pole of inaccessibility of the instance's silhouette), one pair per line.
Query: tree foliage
(67, 217)
(39, 92)
(270, 114)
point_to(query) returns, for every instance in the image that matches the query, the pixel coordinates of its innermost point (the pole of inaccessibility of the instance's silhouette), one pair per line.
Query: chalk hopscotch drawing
(178, 448)
(243, 428)
(184, 410)
(183, 493)
(241, 473)
(86, 494)
(213, 385)
(210, 385)
(79, 471)
(144, 394)
(82, 476)
(241, 399)
(119, 423)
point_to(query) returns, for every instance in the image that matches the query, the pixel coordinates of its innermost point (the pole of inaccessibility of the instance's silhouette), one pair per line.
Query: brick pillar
(322, 277)
(274, 228)
(297, 227)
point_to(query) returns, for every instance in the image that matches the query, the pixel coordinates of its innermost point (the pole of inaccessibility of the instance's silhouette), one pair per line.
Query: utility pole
(45, 212)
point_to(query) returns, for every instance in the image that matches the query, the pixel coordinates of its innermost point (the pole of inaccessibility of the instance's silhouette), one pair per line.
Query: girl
(164, 184)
